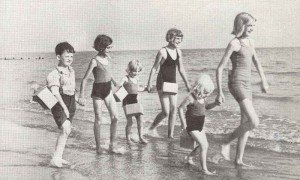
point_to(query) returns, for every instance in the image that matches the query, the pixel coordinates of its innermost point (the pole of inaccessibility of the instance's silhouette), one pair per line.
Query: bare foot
(56, 162)
(242, 164)
(207, 172)
(65, 162)
(143, 141)
(225, 151)
(117, 150)
(189, 160)
(153, 133)
(101, 151)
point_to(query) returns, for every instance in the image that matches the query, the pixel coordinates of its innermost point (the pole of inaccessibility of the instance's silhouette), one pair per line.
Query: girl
(242, 53)
(195, 116)
(101, 90)
(130, 83)
(168, 59)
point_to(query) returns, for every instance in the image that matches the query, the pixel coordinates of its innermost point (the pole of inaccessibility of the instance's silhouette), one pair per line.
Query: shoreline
(28, 141)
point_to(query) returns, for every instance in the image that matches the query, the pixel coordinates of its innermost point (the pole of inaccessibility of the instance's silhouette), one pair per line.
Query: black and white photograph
(162, 89)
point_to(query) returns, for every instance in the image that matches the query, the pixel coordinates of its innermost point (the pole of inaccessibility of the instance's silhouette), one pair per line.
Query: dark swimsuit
(102, 83)
(195, 116)
(167, 71)
(132, 90)
(239, 81)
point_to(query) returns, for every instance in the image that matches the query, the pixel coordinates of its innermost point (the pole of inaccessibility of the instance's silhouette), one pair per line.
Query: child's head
(64, 53)
(203, 86)
(133, 68)
(240, 21)
(174, 34)
(103, 43)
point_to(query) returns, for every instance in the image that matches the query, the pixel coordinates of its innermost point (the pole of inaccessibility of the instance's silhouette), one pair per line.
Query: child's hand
(66, 111)
(264, 86)
(81, 101)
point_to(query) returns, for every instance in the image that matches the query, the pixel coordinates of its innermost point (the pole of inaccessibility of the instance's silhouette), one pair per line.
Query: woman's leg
(164, 101)
(172, 116)
(97, 123)
(251, 121)
(112, 109)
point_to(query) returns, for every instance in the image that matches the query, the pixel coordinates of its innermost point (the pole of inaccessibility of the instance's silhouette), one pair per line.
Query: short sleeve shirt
(63, 78)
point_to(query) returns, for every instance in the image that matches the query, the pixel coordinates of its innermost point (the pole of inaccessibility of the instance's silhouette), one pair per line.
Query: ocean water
(279, 128)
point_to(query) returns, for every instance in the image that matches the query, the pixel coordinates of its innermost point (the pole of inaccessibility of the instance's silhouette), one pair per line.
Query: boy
(61, 82)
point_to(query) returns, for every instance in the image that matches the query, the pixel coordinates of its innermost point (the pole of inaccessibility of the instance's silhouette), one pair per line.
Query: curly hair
(101, 42)
(173, 32)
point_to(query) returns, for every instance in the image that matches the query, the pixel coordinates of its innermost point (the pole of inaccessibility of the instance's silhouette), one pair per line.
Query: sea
(278, 110)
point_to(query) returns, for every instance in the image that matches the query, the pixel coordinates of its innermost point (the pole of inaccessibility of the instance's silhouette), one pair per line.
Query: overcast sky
(38, 25)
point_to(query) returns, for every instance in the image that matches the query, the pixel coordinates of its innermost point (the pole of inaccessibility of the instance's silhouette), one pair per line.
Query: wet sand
(28, 139)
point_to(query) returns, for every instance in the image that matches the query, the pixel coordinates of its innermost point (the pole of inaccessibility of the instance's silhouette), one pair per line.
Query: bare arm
(209, 106)
(91, 66)
(182, 71)
(183, 104)
(156, 64)
(259, 68)
(229, 50)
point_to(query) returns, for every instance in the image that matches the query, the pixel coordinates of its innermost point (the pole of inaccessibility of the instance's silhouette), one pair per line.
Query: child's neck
(60, 64)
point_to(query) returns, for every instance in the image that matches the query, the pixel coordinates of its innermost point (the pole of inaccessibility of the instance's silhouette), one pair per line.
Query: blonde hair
(173, 32)
(239, 23)
(203, 82)
(134, 65)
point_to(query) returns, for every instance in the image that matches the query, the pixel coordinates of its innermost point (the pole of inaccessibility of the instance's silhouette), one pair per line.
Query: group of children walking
(240, 50)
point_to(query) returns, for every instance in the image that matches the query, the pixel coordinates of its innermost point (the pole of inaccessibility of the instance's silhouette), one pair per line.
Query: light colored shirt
(64, 78)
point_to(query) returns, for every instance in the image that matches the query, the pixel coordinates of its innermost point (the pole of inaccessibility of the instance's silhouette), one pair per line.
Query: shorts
(194, 122)
(240, 90)
(101, 90)
(130, 99)
(58, 112)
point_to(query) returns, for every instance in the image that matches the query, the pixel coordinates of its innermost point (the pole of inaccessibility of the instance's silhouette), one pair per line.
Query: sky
(38, 25)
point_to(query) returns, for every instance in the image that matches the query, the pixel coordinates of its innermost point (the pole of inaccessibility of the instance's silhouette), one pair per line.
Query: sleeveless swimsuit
(132, 89)
(195, 116)
(239, 80)
(167, 71)
(102, 83)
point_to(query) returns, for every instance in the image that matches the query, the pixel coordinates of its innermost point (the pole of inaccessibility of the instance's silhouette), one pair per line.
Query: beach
(28, 133)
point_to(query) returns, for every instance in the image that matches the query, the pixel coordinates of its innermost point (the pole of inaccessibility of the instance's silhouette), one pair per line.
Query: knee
(66, 129)
(114, 120)
(172, 110)
(205, 146)
(165, 114)
(129, 122)
(255, 123)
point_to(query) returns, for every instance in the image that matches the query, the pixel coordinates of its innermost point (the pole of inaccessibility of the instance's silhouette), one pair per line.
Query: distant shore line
(20, 58)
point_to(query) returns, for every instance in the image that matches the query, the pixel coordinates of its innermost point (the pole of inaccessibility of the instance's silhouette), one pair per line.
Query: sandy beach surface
(27, 144)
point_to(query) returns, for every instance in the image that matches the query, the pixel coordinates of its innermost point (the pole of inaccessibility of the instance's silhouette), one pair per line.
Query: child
(168, 59)
(61, 82)
(195, 116)
(130, 83)
(242, 53)
(102, 90)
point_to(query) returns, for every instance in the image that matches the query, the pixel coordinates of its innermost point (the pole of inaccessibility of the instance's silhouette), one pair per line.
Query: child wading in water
(130, 83)
(242, 53)
(61, 82)
(169, 58)
(195, 117)
(102, 90)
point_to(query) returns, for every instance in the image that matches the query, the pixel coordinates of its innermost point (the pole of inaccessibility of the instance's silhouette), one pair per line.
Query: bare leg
(60, 144)
(248, 111)
(140, 129)
(172, 116)
(164, 101)
(112, 109)
(201, 139)
(128, 128)
(97, 124)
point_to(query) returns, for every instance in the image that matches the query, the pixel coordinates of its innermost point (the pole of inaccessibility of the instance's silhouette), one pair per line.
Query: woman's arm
(259, 68)
(209, 106)
(156, 64)
(230, 48)
(182, 71)
(91, 66)
(183, 104)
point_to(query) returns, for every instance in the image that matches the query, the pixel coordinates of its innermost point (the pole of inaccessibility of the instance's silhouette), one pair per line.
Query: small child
(61, 82)
(195, 116)
(130, 83)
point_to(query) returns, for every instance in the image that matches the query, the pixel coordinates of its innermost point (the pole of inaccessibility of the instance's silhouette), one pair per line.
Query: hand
(189, 88)
(264, 86)
(66, 111)
(148, 88)
(81, 101)
(220, 98)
